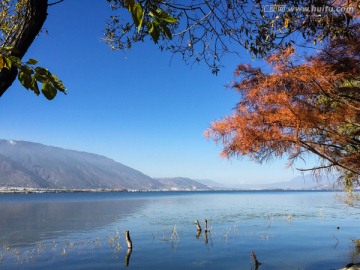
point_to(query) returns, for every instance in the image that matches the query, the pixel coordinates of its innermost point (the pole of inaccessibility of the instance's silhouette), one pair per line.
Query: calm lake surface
(286, 230)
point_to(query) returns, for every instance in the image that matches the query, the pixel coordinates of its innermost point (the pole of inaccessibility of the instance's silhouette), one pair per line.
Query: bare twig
(55, 3)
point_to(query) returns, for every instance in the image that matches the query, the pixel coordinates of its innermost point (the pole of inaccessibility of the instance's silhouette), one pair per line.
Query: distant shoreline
(24, 190)
(11, 190)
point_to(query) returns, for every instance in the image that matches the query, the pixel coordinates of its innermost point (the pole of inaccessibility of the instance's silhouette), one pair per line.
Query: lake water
(286, 230)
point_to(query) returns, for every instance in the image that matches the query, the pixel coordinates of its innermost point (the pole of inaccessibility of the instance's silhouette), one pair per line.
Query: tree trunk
(22, 39)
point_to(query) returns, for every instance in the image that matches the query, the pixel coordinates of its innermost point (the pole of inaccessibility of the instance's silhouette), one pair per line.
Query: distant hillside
(212, 184)
(180, 183)
(306, 182)
(27, 164)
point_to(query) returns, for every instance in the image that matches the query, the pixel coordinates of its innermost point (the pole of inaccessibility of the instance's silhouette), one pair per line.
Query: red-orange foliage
(311, 107)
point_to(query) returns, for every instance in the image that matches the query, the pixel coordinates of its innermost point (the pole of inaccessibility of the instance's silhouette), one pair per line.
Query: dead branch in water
(128, 239)
(198, 226)
(206, 226)
(255, 260)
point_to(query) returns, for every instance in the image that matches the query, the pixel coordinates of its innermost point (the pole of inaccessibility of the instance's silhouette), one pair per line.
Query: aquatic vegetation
(227, 234)
(114, 242)
(117, 247)
(174, 235)
(70, 244)
(54, 246)
(97, 242)
(356, 243)
(290, 218)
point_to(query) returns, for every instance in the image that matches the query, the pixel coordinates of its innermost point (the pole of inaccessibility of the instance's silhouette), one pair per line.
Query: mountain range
(32, 165)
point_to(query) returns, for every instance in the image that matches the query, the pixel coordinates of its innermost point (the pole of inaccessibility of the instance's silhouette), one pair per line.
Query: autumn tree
(303, 106)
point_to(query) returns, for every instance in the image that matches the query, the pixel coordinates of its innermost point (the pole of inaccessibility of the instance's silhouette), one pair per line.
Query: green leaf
(129, 4)
(153, 13)
(167, 32)
(6, 49)
(21, 77)
(2, 62)
(34, 86)
(42, 71)
(29, 77)
(162, 15)
(137, 14)
(58, 84)
(154, 31)
(32, 61)
(15, 60)
(8, 63)
(40, 78)
(140, 23)
(48, 90)
(26, 69)
(25, 79)
(166, 16)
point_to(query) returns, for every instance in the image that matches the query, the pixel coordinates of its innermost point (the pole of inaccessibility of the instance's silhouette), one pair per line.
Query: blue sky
(139, 108)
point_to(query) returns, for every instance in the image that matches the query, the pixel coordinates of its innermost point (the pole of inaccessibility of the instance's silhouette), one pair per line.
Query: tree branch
(55, 3)
(23, 37)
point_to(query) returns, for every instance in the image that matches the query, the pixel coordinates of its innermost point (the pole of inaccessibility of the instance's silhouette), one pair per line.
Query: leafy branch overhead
(30, 75)
(201, 30)
(147, 20)
(20, 23)
(198, 30)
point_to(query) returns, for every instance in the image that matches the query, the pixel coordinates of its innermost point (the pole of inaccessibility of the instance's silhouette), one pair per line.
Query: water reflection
(25, 223)
(127, 257)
